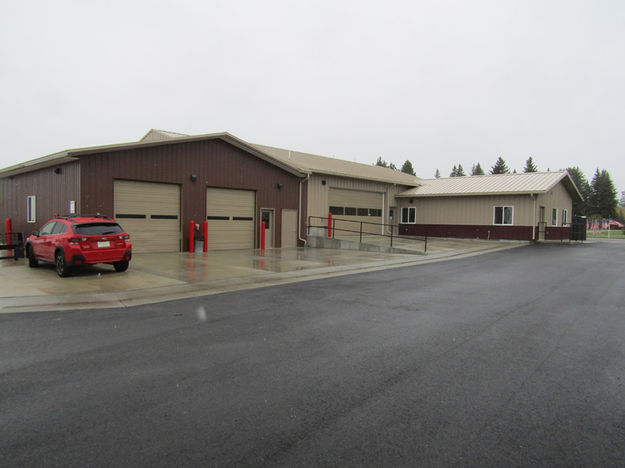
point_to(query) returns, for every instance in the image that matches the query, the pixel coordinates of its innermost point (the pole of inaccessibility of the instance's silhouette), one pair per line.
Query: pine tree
(530, 166)
(381, 162)
(460, 171)
(580, 208)
(437, 174)
(500, 167)
(454, 172)
(408, 169)
(477, 169)
(603, 195)
(392, 166)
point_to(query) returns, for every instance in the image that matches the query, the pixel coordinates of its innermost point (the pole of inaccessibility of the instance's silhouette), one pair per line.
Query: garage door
(355, 206)
(150, 213)
(230, 216)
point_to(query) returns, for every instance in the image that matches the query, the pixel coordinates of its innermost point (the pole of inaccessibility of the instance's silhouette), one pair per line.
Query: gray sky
(436, 82)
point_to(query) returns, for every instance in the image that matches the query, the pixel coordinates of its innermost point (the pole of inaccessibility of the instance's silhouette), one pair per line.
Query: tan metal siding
(53, 191)
(318, 194)
(152, 200)
(468, 210)
(558, 198)
(230, 233)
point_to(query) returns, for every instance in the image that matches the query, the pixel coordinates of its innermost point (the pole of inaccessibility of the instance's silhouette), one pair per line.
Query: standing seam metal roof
(494, 184)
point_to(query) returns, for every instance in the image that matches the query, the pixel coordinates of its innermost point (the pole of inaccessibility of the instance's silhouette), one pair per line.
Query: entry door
(289, 229)
(541, 223)
(266, 216)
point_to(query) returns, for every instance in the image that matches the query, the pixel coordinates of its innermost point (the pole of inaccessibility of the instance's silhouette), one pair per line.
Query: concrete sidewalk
(162, 277)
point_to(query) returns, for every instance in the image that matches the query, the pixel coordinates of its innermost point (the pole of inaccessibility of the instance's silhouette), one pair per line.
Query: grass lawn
(605, 234)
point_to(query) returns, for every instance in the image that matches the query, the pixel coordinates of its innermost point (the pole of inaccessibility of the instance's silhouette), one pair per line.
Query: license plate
(104, 244)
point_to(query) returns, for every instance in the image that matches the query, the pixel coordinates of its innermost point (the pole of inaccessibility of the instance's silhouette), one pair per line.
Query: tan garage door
(150, 213)
(230, 215)
(355, 206)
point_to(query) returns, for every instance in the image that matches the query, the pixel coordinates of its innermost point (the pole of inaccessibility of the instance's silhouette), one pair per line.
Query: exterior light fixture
(279, 185)
(193, 177)
(58, 170)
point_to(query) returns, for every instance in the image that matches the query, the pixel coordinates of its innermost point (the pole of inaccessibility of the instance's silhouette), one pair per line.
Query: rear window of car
(97, 229)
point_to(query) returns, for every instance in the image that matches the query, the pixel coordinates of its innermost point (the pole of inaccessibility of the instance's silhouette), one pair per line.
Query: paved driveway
(514, 358)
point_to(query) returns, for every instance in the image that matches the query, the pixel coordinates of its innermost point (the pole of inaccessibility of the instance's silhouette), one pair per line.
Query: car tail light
(125, 237)
(77, 240)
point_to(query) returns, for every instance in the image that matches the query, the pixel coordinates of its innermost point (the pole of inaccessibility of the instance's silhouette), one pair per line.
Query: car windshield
(97, 229)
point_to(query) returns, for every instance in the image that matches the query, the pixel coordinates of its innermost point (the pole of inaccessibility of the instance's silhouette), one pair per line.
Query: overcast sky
(439, 82)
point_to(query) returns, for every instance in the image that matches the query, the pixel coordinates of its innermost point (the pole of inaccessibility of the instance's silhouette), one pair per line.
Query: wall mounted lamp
(58, 170)
(193, 177)
(279, 185)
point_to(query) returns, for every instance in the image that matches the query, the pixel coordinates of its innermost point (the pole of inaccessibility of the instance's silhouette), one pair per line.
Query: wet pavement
(168, 276)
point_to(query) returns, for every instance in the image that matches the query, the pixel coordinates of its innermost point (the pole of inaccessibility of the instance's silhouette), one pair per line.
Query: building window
(409, 215)
(554, 217)
(337, 210)
(349, 211)
(504, 215)
(565, 217)
(31, 209)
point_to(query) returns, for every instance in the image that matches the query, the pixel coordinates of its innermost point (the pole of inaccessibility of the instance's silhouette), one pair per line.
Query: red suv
(79, 240)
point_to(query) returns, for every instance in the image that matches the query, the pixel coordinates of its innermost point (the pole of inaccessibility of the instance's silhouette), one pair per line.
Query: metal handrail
(324, 225)
(12, 242)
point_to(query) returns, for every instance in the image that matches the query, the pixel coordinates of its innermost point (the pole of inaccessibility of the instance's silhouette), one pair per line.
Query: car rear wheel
(61, 266)
(32, 260)
(121, 265)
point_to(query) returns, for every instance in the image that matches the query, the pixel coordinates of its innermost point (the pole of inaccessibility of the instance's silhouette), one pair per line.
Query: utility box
(578, 228)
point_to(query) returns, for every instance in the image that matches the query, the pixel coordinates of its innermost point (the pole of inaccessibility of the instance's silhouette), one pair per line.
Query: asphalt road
(514, 358)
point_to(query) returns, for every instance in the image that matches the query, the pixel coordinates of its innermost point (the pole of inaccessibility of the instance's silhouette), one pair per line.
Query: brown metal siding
(215, 162)
(53, 192)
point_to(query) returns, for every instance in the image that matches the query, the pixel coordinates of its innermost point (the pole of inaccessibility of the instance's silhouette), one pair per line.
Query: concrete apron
(163, 277)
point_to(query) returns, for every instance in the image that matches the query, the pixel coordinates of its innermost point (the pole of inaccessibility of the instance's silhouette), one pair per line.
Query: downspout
(299, 209)
(534, 218)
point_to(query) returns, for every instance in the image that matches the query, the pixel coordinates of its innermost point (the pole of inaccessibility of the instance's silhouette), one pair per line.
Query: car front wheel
(32, 260)
(121, 265)
(61, 266)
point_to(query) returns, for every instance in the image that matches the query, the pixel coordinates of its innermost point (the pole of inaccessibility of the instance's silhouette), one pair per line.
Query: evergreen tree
(580, 208)
(454, 172)
(500, 167)
(460, 171)
(392, 166)
(477, 169)
(407, 168)
(603, 199)
(530, 166)
(437, 174)
(381, 162)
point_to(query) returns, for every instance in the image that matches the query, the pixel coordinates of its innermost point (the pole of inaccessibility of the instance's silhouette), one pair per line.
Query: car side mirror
(36, 233)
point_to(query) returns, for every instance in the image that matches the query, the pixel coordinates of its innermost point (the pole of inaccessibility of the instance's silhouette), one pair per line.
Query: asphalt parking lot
(512, 358)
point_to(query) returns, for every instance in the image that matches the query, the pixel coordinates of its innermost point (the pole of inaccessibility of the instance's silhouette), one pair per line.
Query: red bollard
(262, 235)
(205, 236)
(329, 224)
(192, 236)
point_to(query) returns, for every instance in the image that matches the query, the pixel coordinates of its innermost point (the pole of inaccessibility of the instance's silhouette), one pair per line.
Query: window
(363, 212)
(350, 211)
(565, 216)
(47, 229)
(504, 215)
(97, 229)
(31, 209)
(375, 212)
(337, 210)
(554, 217)
(409, 215)
(60, 228)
